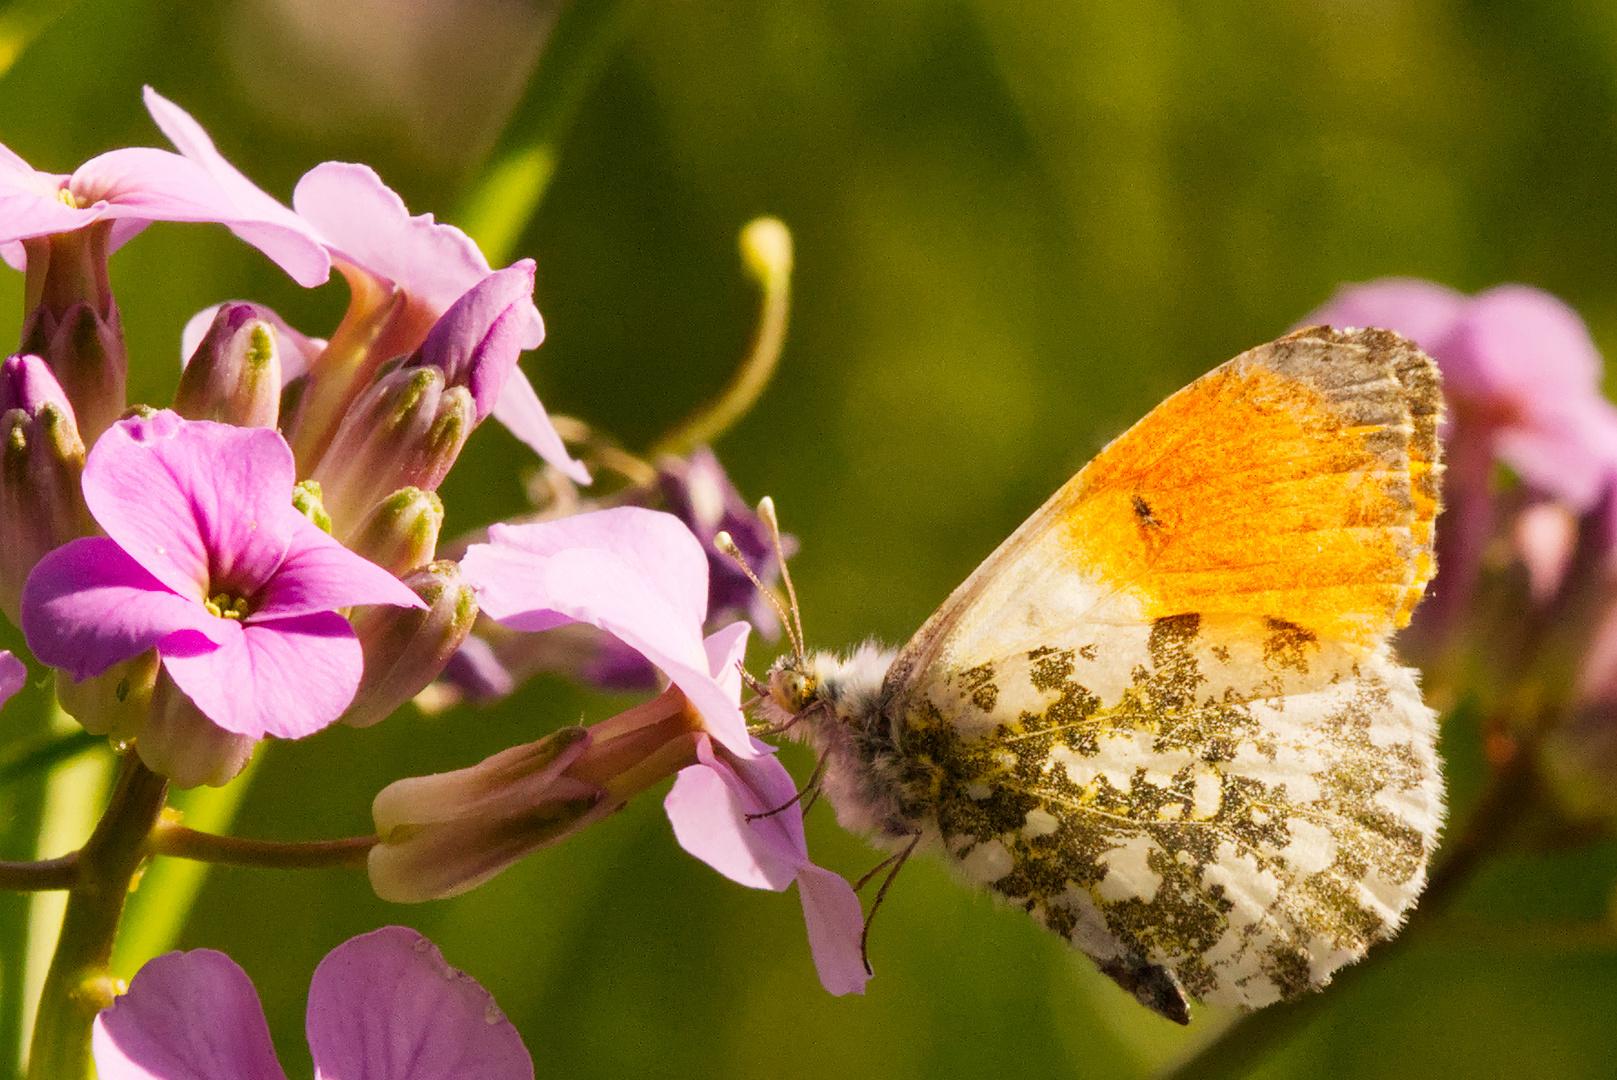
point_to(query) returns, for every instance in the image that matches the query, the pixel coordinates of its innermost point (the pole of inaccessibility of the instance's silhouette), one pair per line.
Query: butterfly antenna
(766, 511)
(727, 547)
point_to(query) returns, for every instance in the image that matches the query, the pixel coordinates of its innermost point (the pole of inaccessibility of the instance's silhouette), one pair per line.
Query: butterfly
(1163, 717)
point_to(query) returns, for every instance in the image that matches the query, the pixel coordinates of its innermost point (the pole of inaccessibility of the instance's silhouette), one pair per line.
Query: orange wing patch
(1298, 482)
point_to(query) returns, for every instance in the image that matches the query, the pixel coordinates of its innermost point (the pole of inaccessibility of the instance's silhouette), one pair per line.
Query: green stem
(79, 982)
(1239, 1048)
(183, 843)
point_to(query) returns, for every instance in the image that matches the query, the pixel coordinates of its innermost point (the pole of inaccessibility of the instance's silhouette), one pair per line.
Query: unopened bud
(477, 341)
(179, 742)
(234, 376)
(446, 833)
(406, 648)
(406, 431)
(306, 500)
(85, 351)
(114, 703)
(401, 533)
(41, 460)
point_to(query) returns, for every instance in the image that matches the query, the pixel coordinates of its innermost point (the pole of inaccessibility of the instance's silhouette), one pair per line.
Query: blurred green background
(1018, 227)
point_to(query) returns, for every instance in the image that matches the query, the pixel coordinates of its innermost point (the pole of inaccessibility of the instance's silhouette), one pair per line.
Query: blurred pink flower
(13, 673)
(382, 1006)
(207, 561)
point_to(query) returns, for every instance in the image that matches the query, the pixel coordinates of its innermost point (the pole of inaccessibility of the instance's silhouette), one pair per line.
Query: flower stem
(38, 876)
(79, 982)
(183, 843)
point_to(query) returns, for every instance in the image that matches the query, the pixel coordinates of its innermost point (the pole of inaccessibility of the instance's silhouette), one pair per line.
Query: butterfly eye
(791, 689)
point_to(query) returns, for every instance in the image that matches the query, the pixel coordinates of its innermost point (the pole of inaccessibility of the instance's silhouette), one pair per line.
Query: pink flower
(384, 252)
(134, 187)
(382, 1006)
(206, 560)
(13, 673)
(641, 576)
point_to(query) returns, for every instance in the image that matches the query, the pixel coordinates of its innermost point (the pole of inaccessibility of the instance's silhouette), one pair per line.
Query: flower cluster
(262, 559)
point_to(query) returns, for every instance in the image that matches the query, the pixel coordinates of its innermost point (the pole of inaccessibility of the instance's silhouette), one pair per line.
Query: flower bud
(306, 501)
(86, 353)
(41, 459)
(406, 648)
(406, 431)
(444, 834)
(114, 703)
(234, 376)
(401, 533)
(179, 742)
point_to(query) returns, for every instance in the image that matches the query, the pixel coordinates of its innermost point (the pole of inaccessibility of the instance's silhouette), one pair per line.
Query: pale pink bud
(401, 532)
(406, 648)
(234, 376)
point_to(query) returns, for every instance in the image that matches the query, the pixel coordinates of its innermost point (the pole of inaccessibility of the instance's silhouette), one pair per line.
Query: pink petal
(368, 225)
(726, 649)
(1523, 345)
(203, 506)
(638, 574)
(13, 673)
(255, 217)
(1422, 311)
(836, 924)
(518, 407)
(89, 605)
(319, 574)
(710, 823)
(287, 678)
(385, 1006)
(187, 1016)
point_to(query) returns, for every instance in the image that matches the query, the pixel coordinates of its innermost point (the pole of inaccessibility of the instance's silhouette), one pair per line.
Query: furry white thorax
(843, 715)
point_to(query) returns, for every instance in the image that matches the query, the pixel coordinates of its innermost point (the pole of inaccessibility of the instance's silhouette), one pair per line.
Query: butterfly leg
(896, 861)
(811, 789)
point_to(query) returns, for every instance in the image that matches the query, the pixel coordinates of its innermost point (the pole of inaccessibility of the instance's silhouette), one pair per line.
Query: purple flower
(698, 491)
(134, 187)
(641, 576)
(206, 560)
(382, 1006)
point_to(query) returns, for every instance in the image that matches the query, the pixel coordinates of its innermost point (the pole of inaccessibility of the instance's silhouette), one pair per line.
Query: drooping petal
(89, 605)
(187, 1016)
(257, 218)
(367, 224)
(319, 574)
(13, 673)
(518, 407)
(835, 926)
(200, 505)
(288, 678)
(386, 1006)
(637, 574)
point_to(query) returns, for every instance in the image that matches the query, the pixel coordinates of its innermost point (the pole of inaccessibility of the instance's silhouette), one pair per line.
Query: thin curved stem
(183, 843)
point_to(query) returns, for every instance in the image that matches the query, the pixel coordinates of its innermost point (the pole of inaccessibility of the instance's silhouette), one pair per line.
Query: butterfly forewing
(1162, 716)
